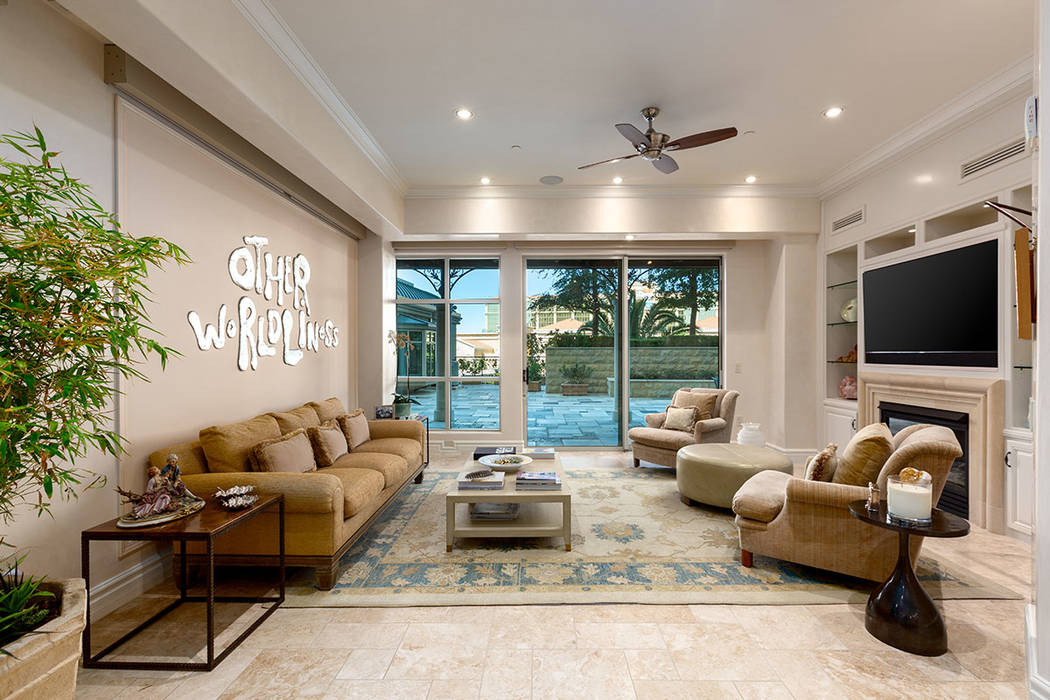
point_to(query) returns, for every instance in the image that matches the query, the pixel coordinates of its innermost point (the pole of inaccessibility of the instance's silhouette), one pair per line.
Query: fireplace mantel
(981, 399)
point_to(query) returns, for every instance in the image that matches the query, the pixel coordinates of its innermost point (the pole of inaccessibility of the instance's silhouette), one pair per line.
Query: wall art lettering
(284, 324)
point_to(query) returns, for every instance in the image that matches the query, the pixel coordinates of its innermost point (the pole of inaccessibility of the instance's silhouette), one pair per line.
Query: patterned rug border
(366, 581)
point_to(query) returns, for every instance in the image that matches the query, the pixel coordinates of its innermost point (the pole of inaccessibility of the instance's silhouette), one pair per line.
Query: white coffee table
(542, 513)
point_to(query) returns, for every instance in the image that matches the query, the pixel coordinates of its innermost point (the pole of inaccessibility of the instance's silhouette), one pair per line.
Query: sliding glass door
(673, 311)
(573, 360)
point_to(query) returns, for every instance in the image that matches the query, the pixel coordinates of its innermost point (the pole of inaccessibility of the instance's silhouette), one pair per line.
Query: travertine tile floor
(599, 651)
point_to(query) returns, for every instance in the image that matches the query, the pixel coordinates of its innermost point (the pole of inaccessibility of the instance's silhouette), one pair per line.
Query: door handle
(853, 423)
(1006, 460)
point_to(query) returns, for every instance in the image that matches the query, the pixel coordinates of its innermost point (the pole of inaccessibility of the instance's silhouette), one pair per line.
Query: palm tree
(643, 320)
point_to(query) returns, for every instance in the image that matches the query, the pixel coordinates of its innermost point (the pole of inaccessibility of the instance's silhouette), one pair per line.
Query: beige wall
(168, 187)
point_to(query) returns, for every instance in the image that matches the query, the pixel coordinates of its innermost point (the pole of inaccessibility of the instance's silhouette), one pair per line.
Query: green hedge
(579, 340)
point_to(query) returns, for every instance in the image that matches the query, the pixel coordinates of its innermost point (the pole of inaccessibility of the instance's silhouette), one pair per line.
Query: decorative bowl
(506, 463)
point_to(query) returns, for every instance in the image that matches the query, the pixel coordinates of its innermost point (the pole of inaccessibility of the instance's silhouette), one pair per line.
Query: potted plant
(402, 402)
(73, 313)
(534, 365)
(576, 377)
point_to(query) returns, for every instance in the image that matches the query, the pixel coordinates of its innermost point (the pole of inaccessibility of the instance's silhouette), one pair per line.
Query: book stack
(494, 511)
(480, 452)
(537, 481)
(540, 452)
(493, 482)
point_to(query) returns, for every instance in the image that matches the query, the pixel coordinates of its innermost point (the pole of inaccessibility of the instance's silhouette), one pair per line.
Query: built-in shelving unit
(961, 220)
(840, 276)
(1019, 387)
(892, 242)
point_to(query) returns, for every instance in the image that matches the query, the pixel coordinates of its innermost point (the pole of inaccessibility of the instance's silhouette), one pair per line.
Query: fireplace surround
(981, 399)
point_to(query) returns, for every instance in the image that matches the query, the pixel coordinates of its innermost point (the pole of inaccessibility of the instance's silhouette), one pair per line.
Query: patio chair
(657, 445)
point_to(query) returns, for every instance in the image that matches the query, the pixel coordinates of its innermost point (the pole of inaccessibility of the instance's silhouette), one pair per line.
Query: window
(450, 310)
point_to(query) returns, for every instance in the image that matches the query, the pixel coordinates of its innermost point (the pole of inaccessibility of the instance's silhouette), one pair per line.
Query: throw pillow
(288, 453)
(822, 466)
(302, 417)
(704, 403)
(355, 428)
(327, 409)
(228, 448)
(680, 419)
(329, 444)
(860, 461)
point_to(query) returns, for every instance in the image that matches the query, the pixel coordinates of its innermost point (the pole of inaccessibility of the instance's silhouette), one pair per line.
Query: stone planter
(43, 663)
(534, 386)
(573, 389)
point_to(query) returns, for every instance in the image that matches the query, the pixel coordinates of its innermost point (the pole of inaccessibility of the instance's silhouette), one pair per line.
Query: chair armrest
(303, 493)
(412, 429)
(706, 426)
(822, 493)
(655, 420)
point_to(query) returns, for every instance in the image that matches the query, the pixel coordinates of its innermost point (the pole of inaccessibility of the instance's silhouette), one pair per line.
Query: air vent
(988, 160)
(854, 217)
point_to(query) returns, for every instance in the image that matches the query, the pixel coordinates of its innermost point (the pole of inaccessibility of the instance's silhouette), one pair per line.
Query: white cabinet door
(839, 425)
(1020, 485)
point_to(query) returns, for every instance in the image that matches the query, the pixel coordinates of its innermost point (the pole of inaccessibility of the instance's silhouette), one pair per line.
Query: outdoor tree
(693, 288)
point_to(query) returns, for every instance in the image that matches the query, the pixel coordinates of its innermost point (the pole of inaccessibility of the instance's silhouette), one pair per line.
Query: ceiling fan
(652, 145)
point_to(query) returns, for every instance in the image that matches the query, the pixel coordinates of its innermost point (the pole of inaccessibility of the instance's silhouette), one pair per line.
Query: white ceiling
(554, 76)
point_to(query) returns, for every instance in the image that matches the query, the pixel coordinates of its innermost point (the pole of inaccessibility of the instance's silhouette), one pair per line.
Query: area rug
(634, 541)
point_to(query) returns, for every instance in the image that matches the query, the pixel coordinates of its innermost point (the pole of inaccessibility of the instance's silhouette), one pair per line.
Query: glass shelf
(842, 362)
(844, 285)
(842, 323)
(1022, 367)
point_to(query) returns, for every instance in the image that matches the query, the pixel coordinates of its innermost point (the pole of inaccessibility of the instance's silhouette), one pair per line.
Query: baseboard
(117, 590)
(1038, 687)
(797, 454)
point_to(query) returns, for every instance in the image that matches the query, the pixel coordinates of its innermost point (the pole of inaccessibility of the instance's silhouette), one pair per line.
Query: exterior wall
(651, 363)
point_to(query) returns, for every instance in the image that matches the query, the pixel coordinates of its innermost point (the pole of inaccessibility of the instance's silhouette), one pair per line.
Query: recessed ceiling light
(617, 180)
(750, 179)
(515, 147)
(911, 230)
(464, 114)
(629, 237)
(552, 179)
(485, 181)
(833, 111)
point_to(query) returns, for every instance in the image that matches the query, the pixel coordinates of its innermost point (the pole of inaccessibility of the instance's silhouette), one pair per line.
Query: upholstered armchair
(808, 522)
(655, 444)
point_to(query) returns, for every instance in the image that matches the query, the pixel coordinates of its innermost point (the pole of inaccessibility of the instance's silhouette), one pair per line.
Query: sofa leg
(325, 576)
(686, 500)
(637, 462)
(745, 558)
(419, 478)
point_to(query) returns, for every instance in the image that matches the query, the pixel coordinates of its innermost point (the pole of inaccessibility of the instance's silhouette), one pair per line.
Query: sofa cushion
(329, 444)
(664, 439)
(408, 449)
(302, 417)
(861, 460)
(706, 402)
(762, 496)
(360, 487)
(355, 428)
(392, 468)
(683, 418)
(229, 447)
(328, 409)
(822, 466)
(291, 452)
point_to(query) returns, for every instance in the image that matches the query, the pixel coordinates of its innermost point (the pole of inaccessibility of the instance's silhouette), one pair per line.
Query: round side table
(900, 612)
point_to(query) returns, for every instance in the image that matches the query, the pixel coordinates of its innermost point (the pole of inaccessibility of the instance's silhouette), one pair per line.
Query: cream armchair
(808, 522)
(655, 444)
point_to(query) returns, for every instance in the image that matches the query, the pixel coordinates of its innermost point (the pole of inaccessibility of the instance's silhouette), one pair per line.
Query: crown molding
(1014, 81)
(271, 26)
(610, 192)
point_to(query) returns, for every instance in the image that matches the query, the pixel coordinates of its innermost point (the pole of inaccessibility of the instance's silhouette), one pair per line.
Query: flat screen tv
(942, 309)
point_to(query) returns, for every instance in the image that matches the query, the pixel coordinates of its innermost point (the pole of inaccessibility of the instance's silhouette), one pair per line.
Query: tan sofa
(659, 446)
(808, 522)
(326, 510)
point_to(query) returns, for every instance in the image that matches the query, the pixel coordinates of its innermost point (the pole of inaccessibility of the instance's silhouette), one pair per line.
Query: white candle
(909, 501)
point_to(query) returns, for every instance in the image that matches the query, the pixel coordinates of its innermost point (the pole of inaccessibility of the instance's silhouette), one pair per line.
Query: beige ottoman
(712, 473)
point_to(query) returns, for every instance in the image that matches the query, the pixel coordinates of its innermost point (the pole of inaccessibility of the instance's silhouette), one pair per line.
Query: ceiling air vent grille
(854, 217)
(972, 167)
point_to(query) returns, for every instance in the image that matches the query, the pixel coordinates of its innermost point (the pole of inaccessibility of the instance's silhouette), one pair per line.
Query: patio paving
(553, 420)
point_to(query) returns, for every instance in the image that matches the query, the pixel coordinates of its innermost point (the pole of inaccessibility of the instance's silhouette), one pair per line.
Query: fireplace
(956, 495)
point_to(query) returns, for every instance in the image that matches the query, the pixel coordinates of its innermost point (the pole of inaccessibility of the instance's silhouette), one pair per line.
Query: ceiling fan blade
(611, 160)
(631, 133)
(665, 164)
(703, 138)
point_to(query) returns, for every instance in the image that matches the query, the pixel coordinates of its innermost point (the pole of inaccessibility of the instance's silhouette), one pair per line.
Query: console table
(203, 526)
(900, 612)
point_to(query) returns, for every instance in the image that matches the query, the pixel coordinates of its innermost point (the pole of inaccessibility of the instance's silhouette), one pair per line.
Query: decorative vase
(848, 387)
(401, 410)
(751, 434)
(849, 311)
